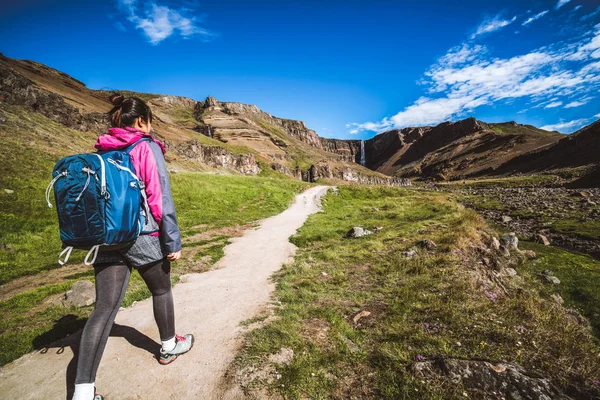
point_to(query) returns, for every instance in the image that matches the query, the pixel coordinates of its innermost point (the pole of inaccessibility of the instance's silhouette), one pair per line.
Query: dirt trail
(211, 305)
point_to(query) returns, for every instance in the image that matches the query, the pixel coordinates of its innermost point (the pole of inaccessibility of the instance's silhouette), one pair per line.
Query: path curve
(211, 305)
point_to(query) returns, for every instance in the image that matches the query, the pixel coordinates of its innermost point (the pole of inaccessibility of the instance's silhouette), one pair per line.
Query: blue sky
(349, 69)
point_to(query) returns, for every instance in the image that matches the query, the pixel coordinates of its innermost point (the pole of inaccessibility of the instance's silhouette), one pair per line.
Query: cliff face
(218, 157)
(349, 150)
(290, 146)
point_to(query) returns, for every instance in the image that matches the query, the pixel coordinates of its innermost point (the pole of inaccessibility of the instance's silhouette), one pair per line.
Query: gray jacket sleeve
(169, 229)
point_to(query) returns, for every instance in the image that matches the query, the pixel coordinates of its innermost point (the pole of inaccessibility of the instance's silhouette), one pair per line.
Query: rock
(174, 171)
(506, 219)
(324, 274)
(81, 294)
(557, 299)
(427, 244)
(510, 241)
(529, 253)
(409, 254)
(485, 378)
(542, 239)
(495, 243)
(5, 247)
(184, 278)
(219, 157)
(9, 191)
(351, 345)
(357, 232)
(377, 228)
(283, 357)
(509, 272)
(360, 315)
(548, 277)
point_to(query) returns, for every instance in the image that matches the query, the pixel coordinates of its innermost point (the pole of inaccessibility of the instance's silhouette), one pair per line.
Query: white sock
(168, 345)
(84, 391)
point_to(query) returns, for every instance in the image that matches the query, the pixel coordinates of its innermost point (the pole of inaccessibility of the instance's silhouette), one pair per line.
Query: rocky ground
(562, 217)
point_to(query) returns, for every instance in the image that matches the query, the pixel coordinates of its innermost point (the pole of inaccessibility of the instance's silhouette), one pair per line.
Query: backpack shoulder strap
(131, 146)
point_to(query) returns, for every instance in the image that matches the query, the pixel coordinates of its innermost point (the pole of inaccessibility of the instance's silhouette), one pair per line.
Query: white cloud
(561, 3)
(159, 22)
(468, 77)
(566, 127)
(578, 7)
(579, 103)
(535, 17)
(492, 25)
(554, 104)
(597, 116)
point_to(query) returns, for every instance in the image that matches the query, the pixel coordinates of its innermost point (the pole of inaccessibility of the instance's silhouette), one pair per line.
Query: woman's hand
(174, 256)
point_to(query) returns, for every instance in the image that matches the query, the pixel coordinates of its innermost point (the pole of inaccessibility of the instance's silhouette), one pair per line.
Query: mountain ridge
(447, 151)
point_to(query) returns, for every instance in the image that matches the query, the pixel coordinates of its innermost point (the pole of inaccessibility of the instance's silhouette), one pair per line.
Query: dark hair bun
(116, 99)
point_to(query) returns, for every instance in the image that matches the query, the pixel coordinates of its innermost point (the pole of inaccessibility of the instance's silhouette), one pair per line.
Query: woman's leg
(158, 279)
(111, 285)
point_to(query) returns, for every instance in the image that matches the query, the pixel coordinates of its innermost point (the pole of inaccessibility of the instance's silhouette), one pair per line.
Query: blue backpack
(99, 201)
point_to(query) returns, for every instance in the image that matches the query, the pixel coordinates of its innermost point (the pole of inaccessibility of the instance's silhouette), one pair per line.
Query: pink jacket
(149, 164)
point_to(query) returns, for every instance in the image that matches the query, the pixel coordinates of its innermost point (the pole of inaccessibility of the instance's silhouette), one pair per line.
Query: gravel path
(210, 305)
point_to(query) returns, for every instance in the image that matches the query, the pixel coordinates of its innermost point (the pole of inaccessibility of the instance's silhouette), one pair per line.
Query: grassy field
(440, 303)
(204, 202)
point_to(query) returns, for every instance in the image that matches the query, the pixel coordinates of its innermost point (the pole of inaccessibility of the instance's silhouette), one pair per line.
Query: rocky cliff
(218, 157)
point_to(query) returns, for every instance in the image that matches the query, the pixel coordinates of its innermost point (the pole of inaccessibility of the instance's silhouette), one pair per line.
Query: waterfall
(362, 152)
(209, 132)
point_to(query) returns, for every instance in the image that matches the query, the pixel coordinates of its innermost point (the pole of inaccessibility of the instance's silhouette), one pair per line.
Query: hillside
(452, 149)
(581, 148)
(201, 135)
(241, 138)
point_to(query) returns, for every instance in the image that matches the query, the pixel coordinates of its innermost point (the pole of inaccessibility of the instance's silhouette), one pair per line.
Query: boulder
(495, 244)
(506, 219)
(81, 294)
(549, 277)
(357, 232)
(487, 378)
(510, 241)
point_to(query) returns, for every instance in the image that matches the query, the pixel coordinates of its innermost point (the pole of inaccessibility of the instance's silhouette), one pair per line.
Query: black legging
(111, 285)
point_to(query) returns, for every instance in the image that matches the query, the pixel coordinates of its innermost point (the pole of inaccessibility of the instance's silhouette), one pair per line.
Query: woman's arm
(153, 172)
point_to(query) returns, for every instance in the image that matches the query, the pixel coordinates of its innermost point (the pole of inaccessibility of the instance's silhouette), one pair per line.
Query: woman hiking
(151, 254)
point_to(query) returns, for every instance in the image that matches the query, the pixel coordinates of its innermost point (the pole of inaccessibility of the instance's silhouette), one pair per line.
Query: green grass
(544, 179)
(227, 200)
(30, 229)
(585, 229)
(24, 326)
(579, 275)
(419, 307)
